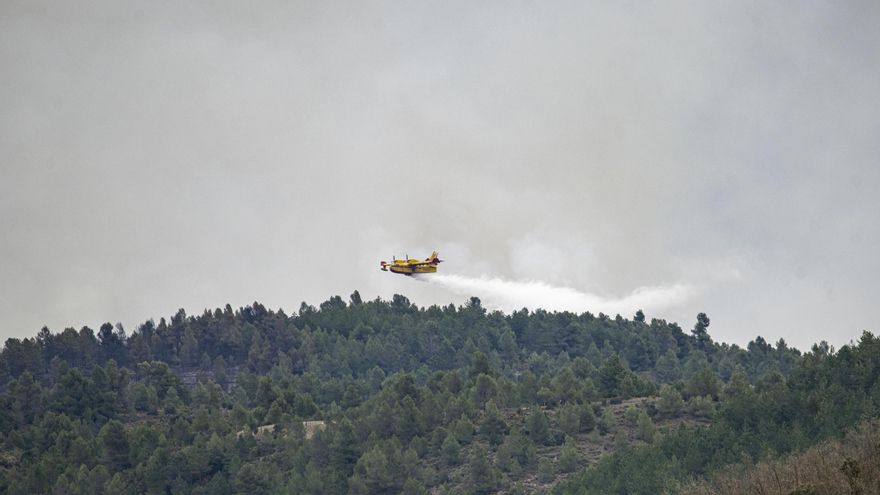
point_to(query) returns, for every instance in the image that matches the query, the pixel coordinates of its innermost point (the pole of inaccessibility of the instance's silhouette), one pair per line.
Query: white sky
(164, 154)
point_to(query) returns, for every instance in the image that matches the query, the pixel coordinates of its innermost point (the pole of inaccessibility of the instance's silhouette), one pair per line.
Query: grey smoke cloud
(162, 156)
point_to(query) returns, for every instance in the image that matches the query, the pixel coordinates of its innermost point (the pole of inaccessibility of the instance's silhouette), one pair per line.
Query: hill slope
(414, 400)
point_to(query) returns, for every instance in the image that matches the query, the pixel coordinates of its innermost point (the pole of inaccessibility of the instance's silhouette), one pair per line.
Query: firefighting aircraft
(409, 266)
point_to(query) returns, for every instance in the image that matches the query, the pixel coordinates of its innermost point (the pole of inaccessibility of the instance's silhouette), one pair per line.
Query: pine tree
(701, 333)
(546, 473)
(189, 347)
(484, 476)
(569, 419)
(607, 423)
(668, 367)
(449, 451)
(114, 442)
(413, 487)
(463, 430)
(670, 403)
(645, 431)
(568, 457)
(493, 426)
(538, 427)
(172, 402)
(205, 363)
(611, 374)
(587, 418)
(219, 371)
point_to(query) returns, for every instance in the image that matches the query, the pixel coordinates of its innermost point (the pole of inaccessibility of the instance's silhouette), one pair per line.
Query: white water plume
(511, 295)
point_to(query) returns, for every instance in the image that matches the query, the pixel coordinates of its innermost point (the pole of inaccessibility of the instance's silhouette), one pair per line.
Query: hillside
(848, 465)
(413, 400)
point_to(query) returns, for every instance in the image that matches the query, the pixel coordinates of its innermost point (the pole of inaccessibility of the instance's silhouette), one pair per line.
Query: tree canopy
(388, 397)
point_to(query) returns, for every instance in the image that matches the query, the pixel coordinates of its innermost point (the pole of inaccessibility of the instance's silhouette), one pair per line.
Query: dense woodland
(414, 400)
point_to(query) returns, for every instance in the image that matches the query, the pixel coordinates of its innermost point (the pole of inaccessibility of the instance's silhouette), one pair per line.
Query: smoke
(511, 295)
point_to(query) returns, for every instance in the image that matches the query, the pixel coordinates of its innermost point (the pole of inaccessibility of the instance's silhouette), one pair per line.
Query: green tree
(701, 407)
(114, 443)
(566, 386)
(118, 485)
(587, 418)
(266, 393)
(493, 425)
(702, 383)
(701, 333)
(375, 470)
(253, 479)
(26, 398)
(484, 476)
(607, 423)
(668, 367)
(485, 389)
(355, 298)
(219, 370)
(450, 449)
(631, 415)
(205, 363)
(670, 404)
(611, 374)
(172, 403)
(413, 487)
(645, 428)
(463, 429)
(189, 347)
(546, 473)
(480, 365)
(568, 457)
(273, 415)
(538, 426)
(569, 418)
(410, 421)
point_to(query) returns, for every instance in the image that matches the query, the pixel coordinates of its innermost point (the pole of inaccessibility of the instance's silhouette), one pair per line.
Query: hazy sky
(158, 155)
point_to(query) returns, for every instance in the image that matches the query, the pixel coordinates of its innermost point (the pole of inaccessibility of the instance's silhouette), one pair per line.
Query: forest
(386, 397)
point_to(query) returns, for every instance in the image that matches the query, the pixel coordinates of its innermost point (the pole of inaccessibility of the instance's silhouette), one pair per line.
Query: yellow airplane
(410, 266)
